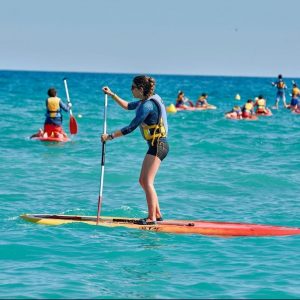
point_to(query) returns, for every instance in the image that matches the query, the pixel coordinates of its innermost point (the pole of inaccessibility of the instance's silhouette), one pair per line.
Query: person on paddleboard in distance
(280, 95)
(53, 121)
(182, 101)
(151, 117)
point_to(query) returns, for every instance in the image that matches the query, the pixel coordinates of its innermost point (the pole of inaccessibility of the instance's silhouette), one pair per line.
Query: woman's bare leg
(149, 169)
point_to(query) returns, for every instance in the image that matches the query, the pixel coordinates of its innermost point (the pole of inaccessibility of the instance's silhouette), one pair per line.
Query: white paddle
(102, 161)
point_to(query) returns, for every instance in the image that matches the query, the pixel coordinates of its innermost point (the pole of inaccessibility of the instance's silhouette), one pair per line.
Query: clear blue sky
(213, 37)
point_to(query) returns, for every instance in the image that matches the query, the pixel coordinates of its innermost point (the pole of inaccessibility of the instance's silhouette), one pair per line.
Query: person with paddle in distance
(280, 95)
(151, 117)
(53, 122)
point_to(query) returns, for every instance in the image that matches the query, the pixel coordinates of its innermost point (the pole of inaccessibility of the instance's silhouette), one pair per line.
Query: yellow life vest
(295, 91)
(261, 103)
(280, 84)
(249, 106)
(53, 106)
(156, 131)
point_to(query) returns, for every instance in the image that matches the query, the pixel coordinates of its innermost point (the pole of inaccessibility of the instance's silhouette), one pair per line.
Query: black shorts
(159, 149)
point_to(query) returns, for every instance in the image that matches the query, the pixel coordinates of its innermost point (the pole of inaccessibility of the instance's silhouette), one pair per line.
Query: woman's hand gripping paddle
(73, 124)
(102, 160)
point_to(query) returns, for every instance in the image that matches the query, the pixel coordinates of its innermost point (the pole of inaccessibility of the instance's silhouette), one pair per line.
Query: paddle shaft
(102, 160)
(73, 124)
(67, 93)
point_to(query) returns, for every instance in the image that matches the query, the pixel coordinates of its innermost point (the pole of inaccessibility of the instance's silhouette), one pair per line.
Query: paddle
(73, 124)
(102, 161)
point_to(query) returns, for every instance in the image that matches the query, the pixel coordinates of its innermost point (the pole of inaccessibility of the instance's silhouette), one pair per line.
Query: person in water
(235, 113)
(261, 103)
(202, 101)
(151, 117)
(182, 101)
(54, 119)
(248, 109)
(280, 95)
(294, 105)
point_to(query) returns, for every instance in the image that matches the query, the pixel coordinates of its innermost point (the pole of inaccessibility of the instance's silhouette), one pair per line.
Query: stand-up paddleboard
(51, 139)
(221, 229)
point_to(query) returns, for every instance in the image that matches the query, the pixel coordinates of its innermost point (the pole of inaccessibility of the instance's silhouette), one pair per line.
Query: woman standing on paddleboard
(151, 117)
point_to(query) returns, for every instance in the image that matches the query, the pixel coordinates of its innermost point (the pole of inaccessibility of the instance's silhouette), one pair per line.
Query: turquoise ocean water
(216, 169)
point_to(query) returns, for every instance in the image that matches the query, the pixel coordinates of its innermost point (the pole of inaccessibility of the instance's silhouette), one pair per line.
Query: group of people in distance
(252, 108)
(184, 103)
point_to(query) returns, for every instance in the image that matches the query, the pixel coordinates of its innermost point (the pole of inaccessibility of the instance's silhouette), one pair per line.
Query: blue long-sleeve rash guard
(146, 112)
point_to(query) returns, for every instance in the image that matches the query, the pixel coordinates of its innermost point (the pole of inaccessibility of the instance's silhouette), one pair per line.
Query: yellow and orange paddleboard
(221, 229)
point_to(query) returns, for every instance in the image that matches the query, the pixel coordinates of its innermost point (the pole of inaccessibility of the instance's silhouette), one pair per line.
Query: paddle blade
(73, 125)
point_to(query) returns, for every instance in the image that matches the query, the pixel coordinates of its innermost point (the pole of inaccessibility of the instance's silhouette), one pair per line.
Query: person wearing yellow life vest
(53, 121)
(261, 103)
(151, 117)
(294, 105)
(248, 109)
(280, 95)
(54, 118)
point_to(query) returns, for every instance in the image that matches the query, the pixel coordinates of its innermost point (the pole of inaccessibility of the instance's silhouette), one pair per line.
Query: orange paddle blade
(73, 125)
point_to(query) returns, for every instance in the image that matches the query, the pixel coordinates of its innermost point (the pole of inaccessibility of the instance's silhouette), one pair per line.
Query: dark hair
(52, 92)
(249, 100)
(204, 95)
(145, 82)
(280, 76)
(260, 97)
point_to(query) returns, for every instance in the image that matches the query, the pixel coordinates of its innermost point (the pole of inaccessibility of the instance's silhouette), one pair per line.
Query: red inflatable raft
(52, 139)
(234, 117)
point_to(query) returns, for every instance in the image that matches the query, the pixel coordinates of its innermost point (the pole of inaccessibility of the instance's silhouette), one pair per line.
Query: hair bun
(147, 83)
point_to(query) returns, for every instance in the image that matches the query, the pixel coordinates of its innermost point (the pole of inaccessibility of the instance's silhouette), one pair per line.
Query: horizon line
(134, 73)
